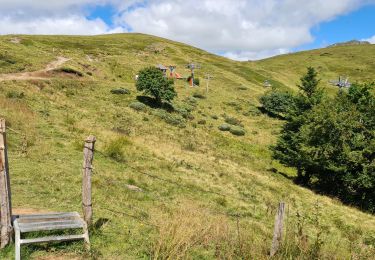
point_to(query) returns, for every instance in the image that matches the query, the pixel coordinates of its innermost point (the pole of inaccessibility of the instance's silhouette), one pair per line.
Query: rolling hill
(167, 184)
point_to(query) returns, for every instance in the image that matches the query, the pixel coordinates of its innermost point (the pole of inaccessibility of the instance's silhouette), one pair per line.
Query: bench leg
(86, 237)
(18, 244)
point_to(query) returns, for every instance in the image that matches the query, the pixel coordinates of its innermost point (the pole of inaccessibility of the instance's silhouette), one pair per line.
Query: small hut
(163, 69)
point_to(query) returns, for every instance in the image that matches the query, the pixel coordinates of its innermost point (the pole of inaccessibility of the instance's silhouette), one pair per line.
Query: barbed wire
(192, 187)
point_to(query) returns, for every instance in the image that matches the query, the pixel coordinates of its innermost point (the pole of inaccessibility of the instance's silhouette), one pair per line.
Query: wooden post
(208, 77)
(6, 206)
(278, 230)
(88, 153)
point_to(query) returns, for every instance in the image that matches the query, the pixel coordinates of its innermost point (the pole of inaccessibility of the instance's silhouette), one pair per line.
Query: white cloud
(52, 17)
(240, 27)
(74, 25)
(371, 40)
(254, 55)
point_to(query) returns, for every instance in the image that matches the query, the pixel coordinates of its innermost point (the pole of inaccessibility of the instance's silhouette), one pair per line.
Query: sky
(237, 29)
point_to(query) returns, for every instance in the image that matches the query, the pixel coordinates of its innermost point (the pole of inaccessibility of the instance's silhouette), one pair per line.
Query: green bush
(115, 149)
(152, 82)
(236, 130)
(15, 94)
(171, 118)
(224, 127)
(233, 121)
(278, 103)
(196, 81)
(138, 106)
(70, 70)
(120, 91)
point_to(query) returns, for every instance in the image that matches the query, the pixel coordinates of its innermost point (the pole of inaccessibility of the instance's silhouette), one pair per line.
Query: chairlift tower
(172, 68)
(192, 66)
(208, 77)
(341, 83)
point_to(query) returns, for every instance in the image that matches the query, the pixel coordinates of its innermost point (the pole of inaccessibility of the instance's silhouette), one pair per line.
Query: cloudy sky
(238, 29)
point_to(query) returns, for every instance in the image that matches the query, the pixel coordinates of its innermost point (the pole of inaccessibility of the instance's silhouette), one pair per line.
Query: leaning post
(6, 206)
(88, 155)
(278, 229)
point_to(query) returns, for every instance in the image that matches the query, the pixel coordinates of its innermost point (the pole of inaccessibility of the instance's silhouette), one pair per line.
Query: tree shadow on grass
(274, 170)
(264, 111)
(152, 103)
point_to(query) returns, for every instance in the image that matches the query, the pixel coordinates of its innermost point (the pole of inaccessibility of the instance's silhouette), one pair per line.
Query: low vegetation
(197, 192)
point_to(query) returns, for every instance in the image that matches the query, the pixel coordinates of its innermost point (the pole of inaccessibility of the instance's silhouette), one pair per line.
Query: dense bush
(338, 148)
(152, 82)
(277, 103)
(331, 141)
(196, 81)
(120, 91)
(236, 130)
(138, 106)
(224, 127)
(232, 121)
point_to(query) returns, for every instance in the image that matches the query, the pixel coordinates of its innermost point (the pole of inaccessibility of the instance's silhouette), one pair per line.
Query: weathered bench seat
(48, 222)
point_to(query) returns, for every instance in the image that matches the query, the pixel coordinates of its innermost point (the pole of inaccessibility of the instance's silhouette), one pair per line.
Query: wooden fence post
(278, 229)
(88, 153)
(6, 206)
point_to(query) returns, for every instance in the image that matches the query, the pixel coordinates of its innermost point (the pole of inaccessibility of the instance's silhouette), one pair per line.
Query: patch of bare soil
(58, 257)
(15, 40)
(35, 75)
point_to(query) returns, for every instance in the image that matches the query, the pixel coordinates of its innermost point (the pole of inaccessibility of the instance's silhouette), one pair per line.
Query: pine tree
(288, 149)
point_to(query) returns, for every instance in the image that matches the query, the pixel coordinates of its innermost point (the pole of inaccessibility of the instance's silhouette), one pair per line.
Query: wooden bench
(48, 222)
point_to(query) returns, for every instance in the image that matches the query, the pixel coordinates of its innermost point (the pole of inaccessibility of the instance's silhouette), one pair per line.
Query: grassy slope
(205, 176)
(355, 62)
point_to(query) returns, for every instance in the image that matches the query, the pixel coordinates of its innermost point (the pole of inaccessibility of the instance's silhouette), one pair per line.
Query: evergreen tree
(287, 149)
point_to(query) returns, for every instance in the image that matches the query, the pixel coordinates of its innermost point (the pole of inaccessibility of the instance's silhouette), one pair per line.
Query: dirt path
(39, 74)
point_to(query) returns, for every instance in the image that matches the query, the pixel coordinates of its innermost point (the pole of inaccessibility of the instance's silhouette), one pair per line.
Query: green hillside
(167, 184)
(353, 61)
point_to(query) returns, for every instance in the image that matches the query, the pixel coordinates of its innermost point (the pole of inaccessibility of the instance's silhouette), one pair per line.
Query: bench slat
(36, 220)
(49, 215)
(51, 239)
(49, 223)
(51, 227)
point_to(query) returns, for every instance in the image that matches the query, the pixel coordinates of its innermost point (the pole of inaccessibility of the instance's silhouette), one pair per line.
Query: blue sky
(237, 29)
(358, 25)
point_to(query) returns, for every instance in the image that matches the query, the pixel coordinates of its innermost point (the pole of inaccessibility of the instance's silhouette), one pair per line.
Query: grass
(206, 194)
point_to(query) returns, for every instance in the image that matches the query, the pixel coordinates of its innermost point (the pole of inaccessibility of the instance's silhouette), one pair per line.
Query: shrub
(224, 127)
(238, 131)
(152, 82)
(277, 103)
(14, 94)
(115, 149)
(202, 122)
(196, 81)
(70, 70)
(170, 118)
(138, 106)
(233, 121)
(215, 117)
(242, 88)
(120, 91)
